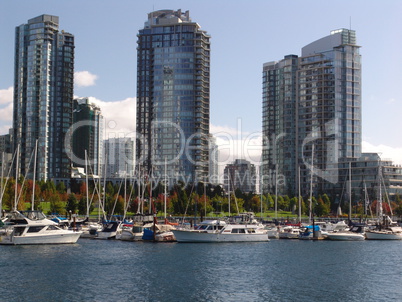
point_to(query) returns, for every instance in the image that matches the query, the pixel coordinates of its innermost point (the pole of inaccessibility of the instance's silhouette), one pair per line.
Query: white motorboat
(32, 227)
(220, 231)
(356, 233)
(345, 236)
(289, 232)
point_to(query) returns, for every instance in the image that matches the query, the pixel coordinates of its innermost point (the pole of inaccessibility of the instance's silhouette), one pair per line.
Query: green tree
(61, 188)
(72, 203)
(110, 189)
(281, 203)
(255, 204)
(56, 205)
(293, 204)
(270, 201)
(321, 209)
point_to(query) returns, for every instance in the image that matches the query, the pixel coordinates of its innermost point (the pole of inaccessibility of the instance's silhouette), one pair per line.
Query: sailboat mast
(311, 183)
(16, 179)
(276, 191)
(34, 177)
(261, 190)
(164, 195)
(229, 193)
(86, 181)
(379, 203)
(350, 191)
(104, 187)
(299, 196)
(205, 198)
(1, 183)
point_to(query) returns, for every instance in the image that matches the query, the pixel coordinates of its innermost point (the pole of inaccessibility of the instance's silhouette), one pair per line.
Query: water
(280, 270)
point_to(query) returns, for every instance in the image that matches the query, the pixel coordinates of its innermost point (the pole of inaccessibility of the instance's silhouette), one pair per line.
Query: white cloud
(6, 95)
(84, 78)
(119, 116)
(237, 144)
(6, 114)
(6, 109)
(385, 152)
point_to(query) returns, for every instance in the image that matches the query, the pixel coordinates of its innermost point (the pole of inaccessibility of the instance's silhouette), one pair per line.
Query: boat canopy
(316, 227)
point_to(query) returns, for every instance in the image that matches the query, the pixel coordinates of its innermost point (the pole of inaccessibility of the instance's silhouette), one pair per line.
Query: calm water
(280, 270)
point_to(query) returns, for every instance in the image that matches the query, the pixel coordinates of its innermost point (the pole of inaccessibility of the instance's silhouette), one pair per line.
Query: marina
(279, 270)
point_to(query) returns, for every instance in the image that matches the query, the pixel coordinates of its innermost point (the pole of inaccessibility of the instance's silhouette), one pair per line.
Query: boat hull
(370, 235)
(130, 236)
(289, 235)
(68, 237)
(346, 237)
(193, 236)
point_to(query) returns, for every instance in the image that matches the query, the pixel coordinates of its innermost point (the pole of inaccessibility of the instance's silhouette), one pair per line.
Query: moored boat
(163, 232)
(356, 233)
(220, 231)
(289, 232)
(389, 233)
(109, 230)
(132, 233)
(386, 230)
(32, 227)
(311, 232)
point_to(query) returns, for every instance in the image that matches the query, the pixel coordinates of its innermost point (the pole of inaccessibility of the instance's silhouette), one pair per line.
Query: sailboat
(246, 230)
(221, 231)
(159, 232)
(386, 229)
(355, 233)
(32, 227)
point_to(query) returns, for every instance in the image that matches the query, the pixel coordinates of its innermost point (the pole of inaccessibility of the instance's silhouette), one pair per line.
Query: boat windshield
(237, 231)
(33, 215)
(202, 227)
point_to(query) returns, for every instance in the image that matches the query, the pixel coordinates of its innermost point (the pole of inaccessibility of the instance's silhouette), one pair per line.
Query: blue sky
(245, 35)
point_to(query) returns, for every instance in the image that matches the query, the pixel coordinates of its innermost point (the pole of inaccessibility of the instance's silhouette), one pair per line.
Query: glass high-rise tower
(43, 96)
(312, 114)
(173, 79)
(87, 138)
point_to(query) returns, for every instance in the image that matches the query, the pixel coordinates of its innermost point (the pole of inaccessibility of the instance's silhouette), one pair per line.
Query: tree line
(181, 199)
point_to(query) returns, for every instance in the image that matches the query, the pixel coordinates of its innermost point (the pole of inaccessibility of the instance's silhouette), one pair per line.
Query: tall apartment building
(43, 96)
(366, 175)
(5, 143)
(173, 79)
(241, 174)
(5, 153)
(312, 114)
(213, 162)
(87, 135)
(119, 157)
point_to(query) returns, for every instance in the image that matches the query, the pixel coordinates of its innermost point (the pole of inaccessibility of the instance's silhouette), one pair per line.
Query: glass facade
(316, 110)
(173, 72)
(43, 95)
(279, 123)
(87, 135)
(241, 174)
(119, 157)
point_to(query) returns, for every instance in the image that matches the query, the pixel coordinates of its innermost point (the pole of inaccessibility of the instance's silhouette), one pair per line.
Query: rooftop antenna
(350, 22)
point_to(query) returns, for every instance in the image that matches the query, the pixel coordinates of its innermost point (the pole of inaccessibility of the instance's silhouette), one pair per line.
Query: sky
(244, 36)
